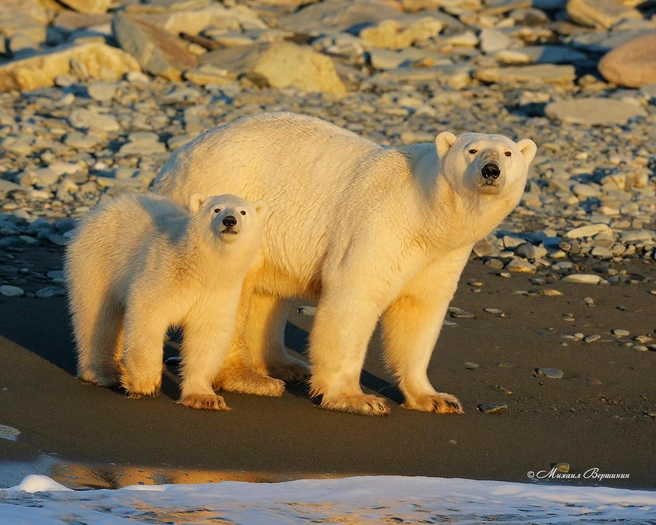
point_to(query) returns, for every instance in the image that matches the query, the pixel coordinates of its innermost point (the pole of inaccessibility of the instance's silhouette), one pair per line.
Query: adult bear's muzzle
(490, 172)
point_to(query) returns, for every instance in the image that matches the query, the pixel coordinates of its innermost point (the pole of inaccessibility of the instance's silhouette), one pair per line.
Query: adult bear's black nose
(490, 171)
(229, 221)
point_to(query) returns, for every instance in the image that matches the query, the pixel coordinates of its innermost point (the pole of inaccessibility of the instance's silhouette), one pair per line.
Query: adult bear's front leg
(340, 335)
(411, 326)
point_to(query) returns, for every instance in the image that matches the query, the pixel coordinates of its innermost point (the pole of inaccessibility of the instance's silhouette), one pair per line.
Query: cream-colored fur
(140, 264)
(367, 230)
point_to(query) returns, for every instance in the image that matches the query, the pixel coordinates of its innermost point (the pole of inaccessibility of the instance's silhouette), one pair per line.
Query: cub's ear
(444, 141)
(261, 208)
(195, 202)
(528, 150)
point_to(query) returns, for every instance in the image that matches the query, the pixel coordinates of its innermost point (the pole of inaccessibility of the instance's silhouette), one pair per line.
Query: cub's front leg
(411, 326)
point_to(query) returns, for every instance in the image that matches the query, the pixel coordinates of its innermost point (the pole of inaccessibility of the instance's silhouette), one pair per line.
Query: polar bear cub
(140, 264)
(378, 233)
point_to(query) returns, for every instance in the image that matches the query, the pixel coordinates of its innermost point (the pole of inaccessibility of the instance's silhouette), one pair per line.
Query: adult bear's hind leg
(238, 373)
(264, 337)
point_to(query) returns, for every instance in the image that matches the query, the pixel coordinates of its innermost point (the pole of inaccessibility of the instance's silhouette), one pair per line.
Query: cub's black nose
(229, 221)
(490, 171)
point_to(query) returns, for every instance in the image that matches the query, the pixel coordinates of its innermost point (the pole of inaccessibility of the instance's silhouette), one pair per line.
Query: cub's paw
(439, 403)
(363, 404)
(247, 381)
(288, 369)
(204, 402)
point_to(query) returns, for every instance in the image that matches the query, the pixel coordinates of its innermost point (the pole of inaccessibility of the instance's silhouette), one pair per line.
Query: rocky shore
(96, 95)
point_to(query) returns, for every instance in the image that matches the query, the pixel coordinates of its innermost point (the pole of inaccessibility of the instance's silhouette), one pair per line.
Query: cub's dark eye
(508, 153)
(242, 212)
(473, 151)
(217, 210)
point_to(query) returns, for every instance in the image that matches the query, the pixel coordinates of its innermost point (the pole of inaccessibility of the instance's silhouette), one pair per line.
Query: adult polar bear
(367, 230)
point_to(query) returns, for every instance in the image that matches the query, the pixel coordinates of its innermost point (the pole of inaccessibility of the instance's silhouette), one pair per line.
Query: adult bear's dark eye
(217, 210)
(242, 212)
(473, 151)
(508, 153)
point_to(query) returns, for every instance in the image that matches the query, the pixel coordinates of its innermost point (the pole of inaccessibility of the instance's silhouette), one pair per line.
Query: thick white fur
(367, 230)
(139, 264)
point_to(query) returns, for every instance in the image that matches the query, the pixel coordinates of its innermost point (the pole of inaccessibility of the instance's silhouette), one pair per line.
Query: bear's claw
(439, 403)
(363, 404)
(204, 402)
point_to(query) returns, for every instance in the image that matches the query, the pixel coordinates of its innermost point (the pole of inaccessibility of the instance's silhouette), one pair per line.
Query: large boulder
(158, 51)
(632, 64)
(279, 65)
(97, 59)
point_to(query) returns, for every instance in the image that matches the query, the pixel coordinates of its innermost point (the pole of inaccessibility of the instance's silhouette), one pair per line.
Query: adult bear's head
(484, 164)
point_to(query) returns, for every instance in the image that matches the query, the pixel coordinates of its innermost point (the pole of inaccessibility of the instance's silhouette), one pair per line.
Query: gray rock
(9, 433)
(50, 291)
(493, 41)
(470, 365)
(492, 408)
(92, 120)
(582, 278)
(562, 75)
(550, 373)
(593, 111)
(102, 91)
(520, 266)
(158, 51)
(591, 338)
(600, 13)
(11, 291)
(589, 230)
(310, 311)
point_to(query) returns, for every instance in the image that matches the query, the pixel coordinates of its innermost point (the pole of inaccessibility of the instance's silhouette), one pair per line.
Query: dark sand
(85, 436)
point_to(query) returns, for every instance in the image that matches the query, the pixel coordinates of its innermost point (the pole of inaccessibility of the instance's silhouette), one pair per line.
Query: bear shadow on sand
(43, 327)
(296, 339)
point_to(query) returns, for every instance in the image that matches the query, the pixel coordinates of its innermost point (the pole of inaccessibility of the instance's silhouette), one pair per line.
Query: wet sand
(85, 436)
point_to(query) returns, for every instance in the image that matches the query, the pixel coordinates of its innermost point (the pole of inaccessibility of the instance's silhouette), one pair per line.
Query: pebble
(461, 314)
(495, 311)
(9, 433)
(618, 332)
(310, 311)
(591, 381)
(551, 292)
(11, 291)
(582, 278)
(57, 239)
(643, 339)
(50, 291)
(550, 373)
(492, 408)
(470, 365)
(563, 468)
(519, 265)
(591, 338)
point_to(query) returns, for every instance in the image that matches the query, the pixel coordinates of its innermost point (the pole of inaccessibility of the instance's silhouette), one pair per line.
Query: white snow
(363, 500)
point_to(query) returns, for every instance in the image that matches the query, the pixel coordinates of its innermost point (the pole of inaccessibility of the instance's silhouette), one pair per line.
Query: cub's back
(110, 236)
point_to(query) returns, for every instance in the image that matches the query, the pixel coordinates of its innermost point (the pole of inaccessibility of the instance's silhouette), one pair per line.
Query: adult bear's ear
(195, 202)
(444, 141)
(261, 208)
(528, 150)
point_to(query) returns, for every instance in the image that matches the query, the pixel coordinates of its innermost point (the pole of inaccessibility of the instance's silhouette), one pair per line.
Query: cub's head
(229, 218)
(485, 164)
